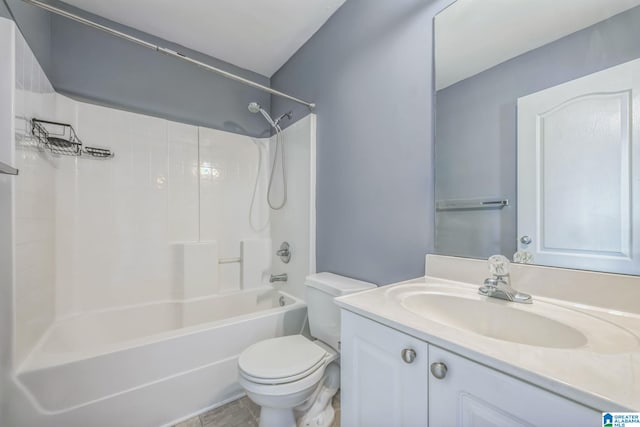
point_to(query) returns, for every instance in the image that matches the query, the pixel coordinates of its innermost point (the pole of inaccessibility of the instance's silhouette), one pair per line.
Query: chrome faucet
(499, 286)
(278, 278)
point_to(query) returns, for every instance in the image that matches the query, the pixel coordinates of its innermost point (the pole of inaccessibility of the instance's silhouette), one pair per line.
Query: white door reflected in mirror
(575, 171)
(557, 97)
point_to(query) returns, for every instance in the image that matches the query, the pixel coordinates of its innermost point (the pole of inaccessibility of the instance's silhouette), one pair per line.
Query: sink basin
(544, 324)
(494, 319)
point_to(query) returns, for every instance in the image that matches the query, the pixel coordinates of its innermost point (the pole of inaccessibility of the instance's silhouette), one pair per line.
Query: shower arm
(167, 51)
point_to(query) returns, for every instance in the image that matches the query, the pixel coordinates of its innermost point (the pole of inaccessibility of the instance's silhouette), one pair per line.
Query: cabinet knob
(439, 370)
(408, 355)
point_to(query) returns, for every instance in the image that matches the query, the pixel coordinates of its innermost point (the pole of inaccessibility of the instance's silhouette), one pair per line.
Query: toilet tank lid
(336, 285)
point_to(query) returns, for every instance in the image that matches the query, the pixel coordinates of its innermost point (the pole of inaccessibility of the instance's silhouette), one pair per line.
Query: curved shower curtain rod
(166, 51)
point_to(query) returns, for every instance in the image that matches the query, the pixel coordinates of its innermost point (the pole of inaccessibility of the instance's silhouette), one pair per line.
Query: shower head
(254, 107)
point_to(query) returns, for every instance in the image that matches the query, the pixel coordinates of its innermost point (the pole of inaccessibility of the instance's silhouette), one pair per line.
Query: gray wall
(35, 25)
(476, 129)
(90, 65)
(369, 69)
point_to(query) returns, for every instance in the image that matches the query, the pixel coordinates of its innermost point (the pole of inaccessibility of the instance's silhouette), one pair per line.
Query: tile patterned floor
(240, 413)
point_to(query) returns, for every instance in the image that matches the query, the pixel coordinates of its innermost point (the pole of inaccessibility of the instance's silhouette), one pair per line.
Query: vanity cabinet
(473, 395)
(383, 386)
(384, 375)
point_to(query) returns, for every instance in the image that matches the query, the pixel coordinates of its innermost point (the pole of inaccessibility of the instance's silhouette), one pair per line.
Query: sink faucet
(278, 278)
(499, 286)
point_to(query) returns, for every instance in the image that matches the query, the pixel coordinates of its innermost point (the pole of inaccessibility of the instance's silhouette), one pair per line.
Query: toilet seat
(302, 385)
(282, 360)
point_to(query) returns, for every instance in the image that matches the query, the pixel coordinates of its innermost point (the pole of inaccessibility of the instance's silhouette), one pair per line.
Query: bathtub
(152, 364)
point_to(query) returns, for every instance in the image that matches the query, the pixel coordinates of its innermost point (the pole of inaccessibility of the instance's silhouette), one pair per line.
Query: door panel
(577, 165)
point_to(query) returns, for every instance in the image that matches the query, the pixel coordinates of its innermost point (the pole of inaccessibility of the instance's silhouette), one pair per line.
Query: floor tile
(241, 413)
(191, 422)
(233, 414)
(252, 407)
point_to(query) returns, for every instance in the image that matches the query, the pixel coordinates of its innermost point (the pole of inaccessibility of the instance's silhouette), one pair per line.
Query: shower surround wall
(142, 231)
(126, 226)
(35, 205)
(148, 224)
(288, 224)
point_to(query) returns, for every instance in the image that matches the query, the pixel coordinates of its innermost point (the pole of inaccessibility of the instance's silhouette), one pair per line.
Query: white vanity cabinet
(385, 375)
(473, 395)
(383, 387)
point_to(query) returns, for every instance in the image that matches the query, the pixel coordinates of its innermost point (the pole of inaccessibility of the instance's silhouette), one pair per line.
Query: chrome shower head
(254, 107)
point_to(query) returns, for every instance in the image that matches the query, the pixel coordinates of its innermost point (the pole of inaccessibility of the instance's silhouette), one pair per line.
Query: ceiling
(474, 35)
(257, 35)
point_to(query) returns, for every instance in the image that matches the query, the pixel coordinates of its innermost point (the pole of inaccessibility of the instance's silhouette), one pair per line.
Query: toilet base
(318, 411)
(276, 417)
(322, 414)
(308, 407)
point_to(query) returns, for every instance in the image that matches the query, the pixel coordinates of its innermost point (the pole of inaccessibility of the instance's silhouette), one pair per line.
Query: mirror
(537, 140)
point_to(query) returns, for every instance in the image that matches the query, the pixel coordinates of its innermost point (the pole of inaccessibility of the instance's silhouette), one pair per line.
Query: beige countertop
(603, 373)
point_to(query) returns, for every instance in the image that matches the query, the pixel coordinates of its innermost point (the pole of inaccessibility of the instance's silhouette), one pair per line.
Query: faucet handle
(499, 265)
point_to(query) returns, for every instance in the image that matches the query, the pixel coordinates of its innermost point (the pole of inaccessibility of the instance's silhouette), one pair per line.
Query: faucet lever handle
(499, 265)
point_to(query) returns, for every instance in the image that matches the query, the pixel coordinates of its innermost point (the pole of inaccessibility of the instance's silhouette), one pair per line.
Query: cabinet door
(472, 395)
(379, 388)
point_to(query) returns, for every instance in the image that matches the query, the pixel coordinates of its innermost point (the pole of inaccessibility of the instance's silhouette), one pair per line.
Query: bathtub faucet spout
(278, 278)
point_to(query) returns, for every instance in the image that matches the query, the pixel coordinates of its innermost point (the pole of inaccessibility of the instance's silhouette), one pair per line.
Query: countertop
(603, 379)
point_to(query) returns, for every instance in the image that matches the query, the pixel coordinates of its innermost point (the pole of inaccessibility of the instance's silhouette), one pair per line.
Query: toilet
(294, 378)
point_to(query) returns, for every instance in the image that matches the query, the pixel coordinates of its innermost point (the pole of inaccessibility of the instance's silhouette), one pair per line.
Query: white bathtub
(153, 364)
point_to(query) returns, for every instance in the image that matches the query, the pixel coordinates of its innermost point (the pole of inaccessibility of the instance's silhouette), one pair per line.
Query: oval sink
(494, 319)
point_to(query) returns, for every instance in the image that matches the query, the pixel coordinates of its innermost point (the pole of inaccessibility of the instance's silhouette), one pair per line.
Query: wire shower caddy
(61, 138)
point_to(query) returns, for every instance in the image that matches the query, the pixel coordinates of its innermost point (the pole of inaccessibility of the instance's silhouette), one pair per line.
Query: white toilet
(293, 378)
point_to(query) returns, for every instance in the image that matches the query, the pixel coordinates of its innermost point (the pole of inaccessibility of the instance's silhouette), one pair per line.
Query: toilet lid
(281, 357)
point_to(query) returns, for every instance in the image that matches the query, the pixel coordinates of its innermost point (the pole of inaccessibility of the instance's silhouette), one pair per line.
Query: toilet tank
(324, 314)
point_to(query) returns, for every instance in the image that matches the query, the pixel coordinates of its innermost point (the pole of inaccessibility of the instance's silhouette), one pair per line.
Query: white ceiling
(257, 35)
(474, 35)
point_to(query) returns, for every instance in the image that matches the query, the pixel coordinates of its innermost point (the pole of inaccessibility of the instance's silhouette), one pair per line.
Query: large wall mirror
(538, 132)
